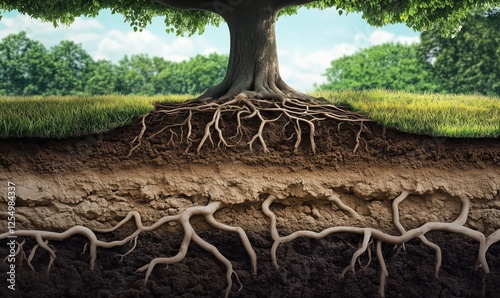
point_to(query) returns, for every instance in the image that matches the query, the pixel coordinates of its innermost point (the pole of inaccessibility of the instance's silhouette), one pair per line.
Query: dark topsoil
(378, 147)
(309, 268)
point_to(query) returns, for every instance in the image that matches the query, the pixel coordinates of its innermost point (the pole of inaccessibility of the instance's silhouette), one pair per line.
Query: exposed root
(358, 253)
(456, 226)
(370, 235)
(43, 237)
(425, 241)
(383, 272)
(336, 199)
(301, 114)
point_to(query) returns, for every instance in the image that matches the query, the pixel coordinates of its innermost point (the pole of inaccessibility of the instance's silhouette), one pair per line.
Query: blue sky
(307, 42)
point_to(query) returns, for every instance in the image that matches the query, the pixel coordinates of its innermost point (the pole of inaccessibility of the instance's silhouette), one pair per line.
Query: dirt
(91, 181)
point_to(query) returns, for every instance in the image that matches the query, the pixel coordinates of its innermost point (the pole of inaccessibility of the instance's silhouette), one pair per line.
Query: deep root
(292, 111)
(43, 237)
(369, 234)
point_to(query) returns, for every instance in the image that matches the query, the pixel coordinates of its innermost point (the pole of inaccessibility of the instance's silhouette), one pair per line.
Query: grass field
(461, 116)
(60, 117)
(429, 114)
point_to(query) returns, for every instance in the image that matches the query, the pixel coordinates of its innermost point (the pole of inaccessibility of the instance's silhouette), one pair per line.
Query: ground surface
(90, 181)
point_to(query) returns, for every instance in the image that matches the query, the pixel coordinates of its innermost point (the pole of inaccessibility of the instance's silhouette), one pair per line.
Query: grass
(429, 114)
(459, 116)
(60, 117)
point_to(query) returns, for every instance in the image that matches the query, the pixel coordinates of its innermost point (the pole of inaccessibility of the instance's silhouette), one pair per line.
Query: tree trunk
(253, 61)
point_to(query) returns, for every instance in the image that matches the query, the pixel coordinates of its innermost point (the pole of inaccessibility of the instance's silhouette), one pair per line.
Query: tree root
(43, 237)
(298, 113)
(370, 235)
(456, 226)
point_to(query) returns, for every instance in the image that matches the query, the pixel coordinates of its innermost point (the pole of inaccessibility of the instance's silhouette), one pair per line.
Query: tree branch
(188, 4)
(285, 3)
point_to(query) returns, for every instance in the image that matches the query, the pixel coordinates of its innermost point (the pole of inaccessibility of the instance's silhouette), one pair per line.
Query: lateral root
(43, 237)
(176, 121)
(372, 234)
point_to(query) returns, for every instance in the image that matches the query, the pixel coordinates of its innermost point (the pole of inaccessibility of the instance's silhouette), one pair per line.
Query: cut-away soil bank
(90, 181)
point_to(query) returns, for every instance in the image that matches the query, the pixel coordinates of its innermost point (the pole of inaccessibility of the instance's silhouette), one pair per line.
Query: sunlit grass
(430, 114)
(59, 117)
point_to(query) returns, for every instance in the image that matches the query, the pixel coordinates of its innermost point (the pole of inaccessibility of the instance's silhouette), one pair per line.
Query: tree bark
(253, 61)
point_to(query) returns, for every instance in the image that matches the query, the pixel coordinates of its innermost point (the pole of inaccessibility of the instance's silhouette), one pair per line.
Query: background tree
(103, 79)
(136, 74)
(73, 67)
(253, 61)
(387, 66)
(192, 76)
(469, 62)
(25, 66)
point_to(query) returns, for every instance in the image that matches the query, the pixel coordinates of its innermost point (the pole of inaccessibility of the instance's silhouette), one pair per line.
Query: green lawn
(430, 114)
(461, 116)
(68, 116)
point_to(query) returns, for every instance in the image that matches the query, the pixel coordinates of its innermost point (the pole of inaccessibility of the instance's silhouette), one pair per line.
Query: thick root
(300, 114)
(456, 226)
(43, 237)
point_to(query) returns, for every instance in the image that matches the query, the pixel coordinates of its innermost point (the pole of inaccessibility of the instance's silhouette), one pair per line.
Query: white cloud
(305, 69)
(8, 22)
(380, 36)
(24, 23)
(86, 24)
(80, 31)
(408, 39)
(85, 37)
(205, 46)
(300, 80)
(115, 44)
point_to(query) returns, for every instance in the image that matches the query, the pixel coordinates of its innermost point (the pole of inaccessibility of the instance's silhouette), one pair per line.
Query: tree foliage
(193, 76)
(470, 62)
(420, 15)
(28, 68)
(72, 68)
(388, 66)
(25, 67)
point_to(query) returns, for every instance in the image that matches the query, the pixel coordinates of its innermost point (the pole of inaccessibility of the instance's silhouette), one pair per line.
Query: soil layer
(91, 181)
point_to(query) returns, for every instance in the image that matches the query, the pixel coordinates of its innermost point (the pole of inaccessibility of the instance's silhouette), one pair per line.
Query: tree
(470, 62)
(102, 80)
(25, 66)
(73, 67)
(387, 66)
(253, 62)
(135, 74)
(193, 76)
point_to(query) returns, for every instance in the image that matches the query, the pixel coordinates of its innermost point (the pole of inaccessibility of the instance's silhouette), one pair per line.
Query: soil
(90, 181)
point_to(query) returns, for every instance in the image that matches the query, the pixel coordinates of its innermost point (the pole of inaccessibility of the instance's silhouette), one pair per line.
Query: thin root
(299, 113)
(43, 237)
(457, 226)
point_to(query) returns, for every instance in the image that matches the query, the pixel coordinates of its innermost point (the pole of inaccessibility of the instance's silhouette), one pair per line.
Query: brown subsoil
(91, 181)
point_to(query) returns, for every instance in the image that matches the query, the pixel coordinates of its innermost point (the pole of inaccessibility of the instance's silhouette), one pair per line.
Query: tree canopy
(470, 62)
(191, 16)
(253, 68)
(387, 66)
(28, 68)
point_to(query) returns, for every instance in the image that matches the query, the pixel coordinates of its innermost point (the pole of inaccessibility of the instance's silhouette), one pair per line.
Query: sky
(307, 42)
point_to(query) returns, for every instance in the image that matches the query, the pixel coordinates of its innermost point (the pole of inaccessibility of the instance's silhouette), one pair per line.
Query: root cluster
(370, 235)
(42, 238)
(250, 115)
